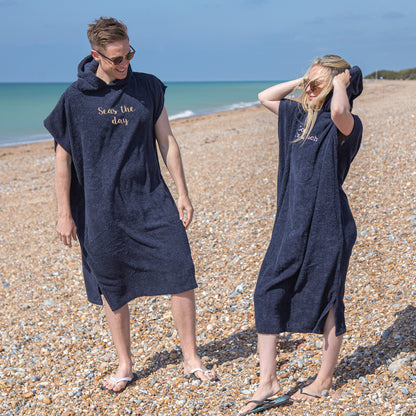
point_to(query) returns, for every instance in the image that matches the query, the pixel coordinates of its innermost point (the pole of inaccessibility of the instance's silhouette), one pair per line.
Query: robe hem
(298, 331)
(118, 305)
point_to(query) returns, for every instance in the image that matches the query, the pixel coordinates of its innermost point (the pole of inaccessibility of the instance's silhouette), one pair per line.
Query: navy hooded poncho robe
(304, 270)
(132, 240)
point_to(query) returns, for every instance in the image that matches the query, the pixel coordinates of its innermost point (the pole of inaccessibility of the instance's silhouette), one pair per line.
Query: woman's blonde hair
(332, 65)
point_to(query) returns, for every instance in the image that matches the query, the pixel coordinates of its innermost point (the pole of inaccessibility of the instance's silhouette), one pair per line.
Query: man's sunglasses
(119, 59)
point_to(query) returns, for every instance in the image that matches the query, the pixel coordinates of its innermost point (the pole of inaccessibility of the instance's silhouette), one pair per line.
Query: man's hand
(66, 230)
(186, 211)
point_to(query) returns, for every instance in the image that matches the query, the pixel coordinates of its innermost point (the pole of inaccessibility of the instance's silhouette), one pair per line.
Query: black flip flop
(315, 396)
(266, 404)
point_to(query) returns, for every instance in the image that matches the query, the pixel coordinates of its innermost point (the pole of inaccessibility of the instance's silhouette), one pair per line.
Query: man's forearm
(63, 183)
(173, 162)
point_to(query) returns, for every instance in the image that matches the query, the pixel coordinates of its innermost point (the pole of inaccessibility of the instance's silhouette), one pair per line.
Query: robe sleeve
(57, 125)
(348, 148)
(158, 89)
(290, 114)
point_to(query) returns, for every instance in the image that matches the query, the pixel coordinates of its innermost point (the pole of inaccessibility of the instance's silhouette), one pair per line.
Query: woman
(301, 282)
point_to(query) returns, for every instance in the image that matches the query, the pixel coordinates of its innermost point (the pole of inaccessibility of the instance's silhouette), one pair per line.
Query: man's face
(107, 70)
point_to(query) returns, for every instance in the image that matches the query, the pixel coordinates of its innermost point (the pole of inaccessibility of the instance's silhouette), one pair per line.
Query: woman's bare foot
(263, 392)
(311, 392)
(195, 368)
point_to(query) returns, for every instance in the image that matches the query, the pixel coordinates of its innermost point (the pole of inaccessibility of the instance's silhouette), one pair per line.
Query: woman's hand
(342, 79)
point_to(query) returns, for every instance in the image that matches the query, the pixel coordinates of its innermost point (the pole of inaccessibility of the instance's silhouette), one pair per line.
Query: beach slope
(56, 349)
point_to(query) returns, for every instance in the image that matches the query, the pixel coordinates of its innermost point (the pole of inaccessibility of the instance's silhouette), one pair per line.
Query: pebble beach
(55, 347)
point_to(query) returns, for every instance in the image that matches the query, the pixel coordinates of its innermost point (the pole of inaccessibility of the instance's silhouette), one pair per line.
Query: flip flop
(315, 396)
(129, 380)
(193, 375)
(309, 394)
(266, 404)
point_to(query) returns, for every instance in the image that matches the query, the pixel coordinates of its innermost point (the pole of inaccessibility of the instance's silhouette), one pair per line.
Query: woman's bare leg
(268, 384)
(330, 352)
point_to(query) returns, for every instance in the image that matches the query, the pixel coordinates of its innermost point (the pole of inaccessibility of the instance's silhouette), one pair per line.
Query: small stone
(385, 335)
(239, 289)
(351, 414)
(396, 365)
(404, 390)
(325, 393)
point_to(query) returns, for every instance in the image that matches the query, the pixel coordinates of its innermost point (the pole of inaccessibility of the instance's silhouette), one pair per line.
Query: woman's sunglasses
(119, 59)
(313, 85)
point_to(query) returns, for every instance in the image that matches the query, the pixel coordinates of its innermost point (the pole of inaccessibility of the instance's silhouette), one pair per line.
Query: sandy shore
(55, 347)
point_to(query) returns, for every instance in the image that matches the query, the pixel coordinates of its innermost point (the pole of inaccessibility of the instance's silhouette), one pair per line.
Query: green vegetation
(403, 74)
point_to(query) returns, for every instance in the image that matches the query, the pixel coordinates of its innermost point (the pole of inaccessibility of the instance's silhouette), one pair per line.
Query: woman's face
(318, 80)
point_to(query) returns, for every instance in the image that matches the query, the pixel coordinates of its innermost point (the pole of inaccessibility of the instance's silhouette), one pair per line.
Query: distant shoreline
(189, 114)
(23, 107)
(172, 120)
(403, 75)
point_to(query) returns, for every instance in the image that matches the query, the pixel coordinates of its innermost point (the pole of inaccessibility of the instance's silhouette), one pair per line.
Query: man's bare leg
(119, 323)
(183, 311)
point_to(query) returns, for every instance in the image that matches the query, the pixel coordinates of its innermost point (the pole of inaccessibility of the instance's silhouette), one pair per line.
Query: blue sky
(200, 40)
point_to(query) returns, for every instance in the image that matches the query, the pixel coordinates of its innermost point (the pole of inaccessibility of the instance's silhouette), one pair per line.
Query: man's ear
(95, 55)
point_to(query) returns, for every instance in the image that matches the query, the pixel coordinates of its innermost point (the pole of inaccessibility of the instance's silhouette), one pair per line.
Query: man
(111, 194)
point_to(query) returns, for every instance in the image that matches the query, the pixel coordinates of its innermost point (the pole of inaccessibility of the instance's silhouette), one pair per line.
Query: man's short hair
(106, 30)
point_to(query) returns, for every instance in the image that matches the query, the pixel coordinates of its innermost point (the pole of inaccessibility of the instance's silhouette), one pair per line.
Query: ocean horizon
(24, 106)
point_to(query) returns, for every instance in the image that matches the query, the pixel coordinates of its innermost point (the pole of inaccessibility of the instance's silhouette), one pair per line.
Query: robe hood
(88, 81)
(353, 91)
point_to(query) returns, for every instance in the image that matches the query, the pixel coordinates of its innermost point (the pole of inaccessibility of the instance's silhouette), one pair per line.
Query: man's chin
(120, 75)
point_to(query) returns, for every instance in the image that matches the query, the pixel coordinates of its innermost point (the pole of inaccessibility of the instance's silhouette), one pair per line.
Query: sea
(24, 106)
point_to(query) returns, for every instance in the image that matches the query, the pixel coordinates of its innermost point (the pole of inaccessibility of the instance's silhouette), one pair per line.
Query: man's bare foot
(196, 369)
(262, 393)
(119, 381)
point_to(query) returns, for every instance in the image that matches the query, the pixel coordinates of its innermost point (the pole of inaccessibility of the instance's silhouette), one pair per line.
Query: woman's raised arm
(272, 96)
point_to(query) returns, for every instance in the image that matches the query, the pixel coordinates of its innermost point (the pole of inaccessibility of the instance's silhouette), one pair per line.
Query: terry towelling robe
(304, 270)
(132, 240)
